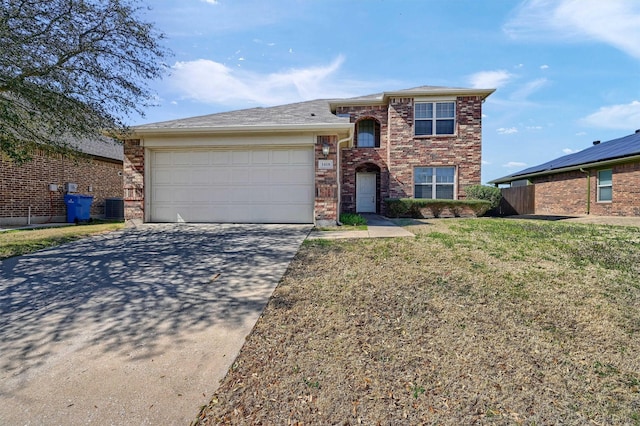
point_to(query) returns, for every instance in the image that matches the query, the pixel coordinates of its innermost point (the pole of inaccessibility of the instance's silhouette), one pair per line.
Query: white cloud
(507, 130)
(490, 79)
(210, 1)
(581, 134)
(208, 81)
(514, 165)
(621, 117)
(611, 22)
(485, 163)
(534, 127)
(544, 67)
(569, 150)
(529, 88)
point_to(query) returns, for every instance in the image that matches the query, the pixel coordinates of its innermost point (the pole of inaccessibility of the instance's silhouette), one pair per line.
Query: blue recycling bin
(78, 207)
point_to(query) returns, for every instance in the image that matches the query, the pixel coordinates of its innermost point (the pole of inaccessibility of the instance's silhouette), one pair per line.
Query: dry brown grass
(471, 322)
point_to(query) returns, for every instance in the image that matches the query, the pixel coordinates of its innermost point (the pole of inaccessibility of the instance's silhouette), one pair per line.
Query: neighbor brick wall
(133, 180)
(27, 185)
(565, 193)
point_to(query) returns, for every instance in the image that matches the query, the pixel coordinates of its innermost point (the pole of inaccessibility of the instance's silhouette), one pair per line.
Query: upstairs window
(605, 185)
(368, 133)
(435, 118)
(434, 182)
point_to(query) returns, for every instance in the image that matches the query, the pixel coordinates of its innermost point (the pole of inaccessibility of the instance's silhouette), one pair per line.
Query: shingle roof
(99, 147)
(317, 112)
(301, 113)
(611, 150)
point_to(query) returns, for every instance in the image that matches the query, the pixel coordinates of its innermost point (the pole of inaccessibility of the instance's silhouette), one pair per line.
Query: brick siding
(566, 193)
(326, 190)
(133, 180)
(27, 185)
(401, 151)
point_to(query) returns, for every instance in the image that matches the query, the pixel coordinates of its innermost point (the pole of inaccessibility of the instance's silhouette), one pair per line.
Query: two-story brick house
(306, 162)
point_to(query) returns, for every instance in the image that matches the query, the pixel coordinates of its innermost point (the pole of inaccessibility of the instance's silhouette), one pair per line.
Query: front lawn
(484, 321)
(23, 241)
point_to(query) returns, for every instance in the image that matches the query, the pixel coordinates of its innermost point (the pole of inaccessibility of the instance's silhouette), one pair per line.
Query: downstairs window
(434, 182)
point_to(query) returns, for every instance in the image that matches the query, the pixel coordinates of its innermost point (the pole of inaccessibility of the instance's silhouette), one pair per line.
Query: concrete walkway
(378, 227)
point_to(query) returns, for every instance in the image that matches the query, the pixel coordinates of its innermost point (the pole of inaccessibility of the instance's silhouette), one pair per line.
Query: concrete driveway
(133, 327)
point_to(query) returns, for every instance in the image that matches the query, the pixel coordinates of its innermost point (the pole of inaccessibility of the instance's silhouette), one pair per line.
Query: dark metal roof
(611, 150)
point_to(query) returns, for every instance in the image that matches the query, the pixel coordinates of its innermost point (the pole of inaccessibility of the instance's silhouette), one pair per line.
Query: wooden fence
(518, 200)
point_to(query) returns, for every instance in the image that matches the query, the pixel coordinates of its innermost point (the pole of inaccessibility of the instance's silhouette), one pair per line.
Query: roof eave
(243, 129)
(512, 178)
(483, 93)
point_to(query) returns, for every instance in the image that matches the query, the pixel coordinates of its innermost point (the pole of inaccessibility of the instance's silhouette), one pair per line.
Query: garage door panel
(161, 176)
(201, 176)
(181, 176)
(260, 157)
(261, 176)
(292, 174)
(291, 194)
(162, 159)
(259, 185)
(182, 158)
(218, 158)
(280, 157)
(240, 157)
(240, 176)
(302, 157)
(219, 176)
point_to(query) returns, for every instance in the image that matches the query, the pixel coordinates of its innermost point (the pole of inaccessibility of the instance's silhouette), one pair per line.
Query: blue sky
(567, 72)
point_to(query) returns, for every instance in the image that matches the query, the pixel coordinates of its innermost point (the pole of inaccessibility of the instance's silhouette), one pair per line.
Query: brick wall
(133, 180)
(27, 185)
(400, 151)
(566, 193)
(326, 196)
(464, 150)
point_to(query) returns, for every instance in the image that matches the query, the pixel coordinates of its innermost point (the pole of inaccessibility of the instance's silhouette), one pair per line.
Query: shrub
(352, 219)
(484, 192)
(411, 207)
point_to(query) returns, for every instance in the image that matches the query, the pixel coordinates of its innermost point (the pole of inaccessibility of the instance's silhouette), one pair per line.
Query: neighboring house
(306, 162)
(34, 191)
(602, 180)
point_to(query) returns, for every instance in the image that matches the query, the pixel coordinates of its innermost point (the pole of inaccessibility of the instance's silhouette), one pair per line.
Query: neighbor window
(434, 182)
(368, 133)
(435, 118)
(605, 185)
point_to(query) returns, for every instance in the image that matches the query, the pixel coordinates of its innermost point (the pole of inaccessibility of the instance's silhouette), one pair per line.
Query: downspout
(588, 189)
(339, 170)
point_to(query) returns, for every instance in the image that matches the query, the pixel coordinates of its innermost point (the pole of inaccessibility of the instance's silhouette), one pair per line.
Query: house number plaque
(325, 164)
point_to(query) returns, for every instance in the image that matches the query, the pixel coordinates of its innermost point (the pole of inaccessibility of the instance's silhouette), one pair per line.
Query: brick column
(133, 174)
(326, 201)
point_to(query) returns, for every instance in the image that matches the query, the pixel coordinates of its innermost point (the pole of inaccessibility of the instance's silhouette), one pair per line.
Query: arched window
(368, 133)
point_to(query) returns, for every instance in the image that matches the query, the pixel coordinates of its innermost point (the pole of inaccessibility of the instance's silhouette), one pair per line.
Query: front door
(365, 192)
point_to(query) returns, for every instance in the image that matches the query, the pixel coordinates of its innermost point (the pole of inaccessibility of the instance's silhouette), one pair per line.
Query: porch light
(325, 149)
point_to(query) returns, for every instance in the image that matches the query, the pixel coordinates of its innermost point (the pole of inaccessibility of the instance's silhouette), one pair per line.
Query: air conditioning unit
(114, 208)
(71, 187)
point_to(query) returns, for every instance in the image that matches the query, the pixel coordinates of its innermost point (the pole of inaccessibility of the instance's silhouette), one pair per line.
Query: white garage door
(252, 185)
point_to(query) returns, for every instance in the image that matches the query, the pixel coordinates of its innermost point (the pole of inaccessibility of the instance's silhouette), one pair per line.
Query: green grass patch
(352, 219)
(24, 241)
